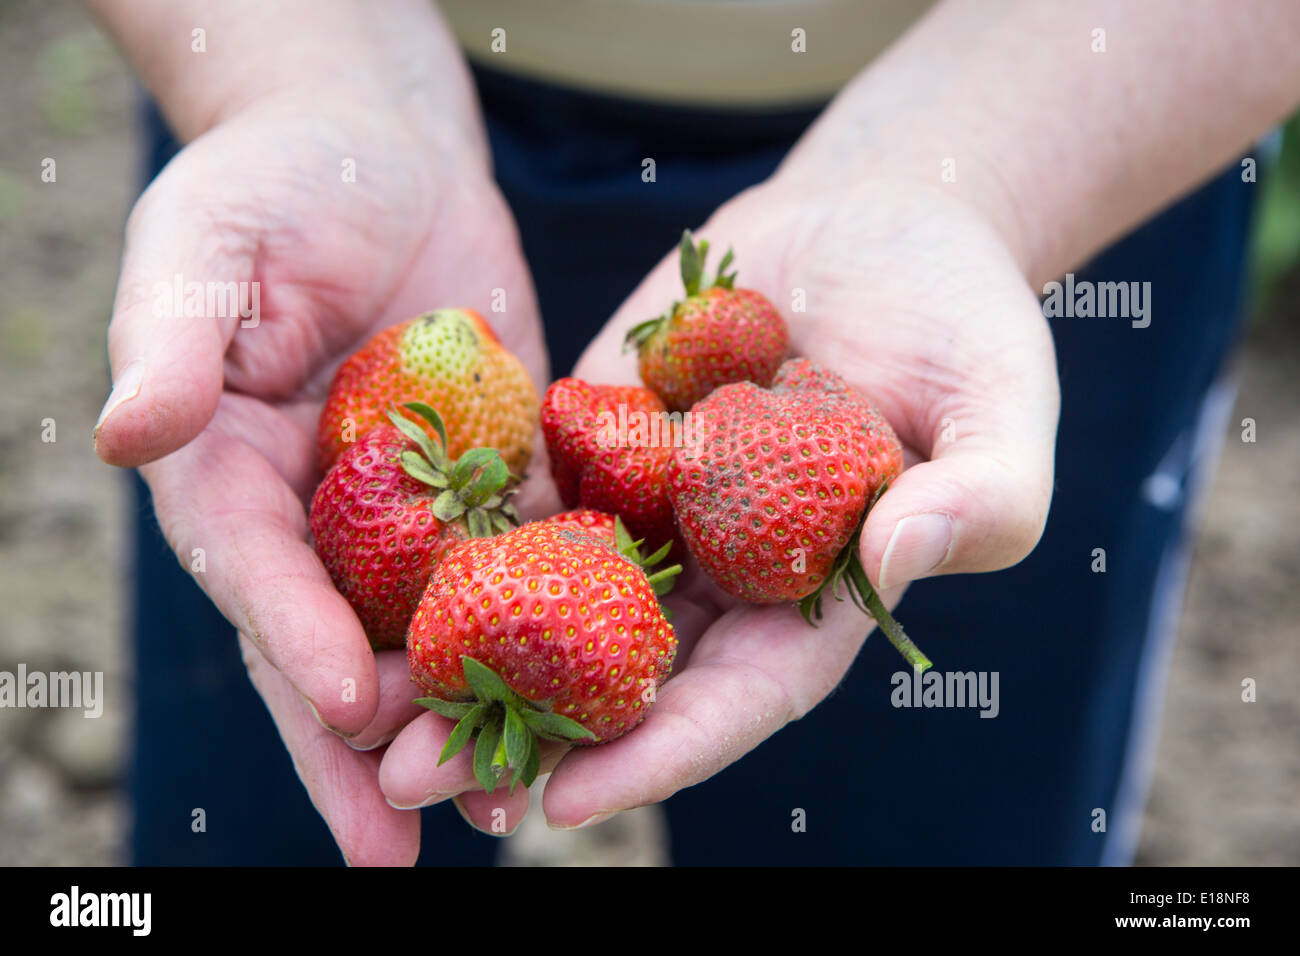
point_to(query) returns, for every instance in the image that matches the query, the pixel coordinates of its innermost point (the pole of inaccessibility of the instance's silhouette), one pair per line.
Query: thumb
(168, 335)
(973, 507)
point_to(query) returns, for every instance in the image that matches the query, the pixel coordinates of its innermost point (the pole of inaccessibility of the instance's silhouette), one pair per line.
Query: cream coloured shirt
(726, 53)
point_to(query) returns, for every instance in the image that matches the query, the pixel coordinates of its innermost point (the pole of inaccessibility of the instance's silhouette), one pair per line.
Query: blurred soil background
(1227, 780)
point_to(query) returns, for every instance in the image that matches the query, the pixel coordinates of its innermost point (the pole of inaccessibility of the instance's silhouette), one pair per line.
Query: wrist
(320, 55)
(919, 154)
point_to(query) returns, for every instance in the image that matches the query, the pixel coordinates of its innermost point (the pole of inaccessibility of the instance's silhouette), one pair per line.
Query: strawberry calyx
(472, 489)
(694, 279)
(692, 262)
(661, 580)
(507, 728)
(848, 570)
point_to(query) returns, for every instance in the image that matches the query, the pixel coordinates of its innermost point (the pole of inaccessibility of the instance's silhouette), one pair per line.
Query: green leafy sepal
(473, 490)
(507, 728)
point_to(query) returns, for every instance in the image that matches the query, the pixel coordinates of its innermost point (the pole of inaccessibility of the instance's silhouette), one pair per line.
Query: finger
(497, 813)
(342, 784)
(980, 503)
(754, 671)
(396, 706)
(410, 775)
(965, 512)
(241, 530)
(167, 350)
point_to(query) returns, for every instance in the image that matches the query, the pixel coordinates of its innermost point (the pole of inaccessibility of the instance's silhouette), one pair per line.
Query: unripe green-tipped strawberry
(609, 447)
(771, 492)
(540, 632)
(449, 359)
(392, 507)
(717, 335)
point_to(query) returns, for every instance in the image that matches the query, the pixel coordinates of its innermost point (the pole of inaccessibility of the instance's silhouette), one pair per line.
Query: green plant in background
(68, 69)
(1276, 242)
(13, 194)
(24, 335)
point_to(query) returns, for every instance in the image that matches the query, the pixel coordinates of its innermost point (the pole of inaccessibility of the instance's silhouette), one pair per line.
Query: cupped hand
(349, 217)
(914, 298)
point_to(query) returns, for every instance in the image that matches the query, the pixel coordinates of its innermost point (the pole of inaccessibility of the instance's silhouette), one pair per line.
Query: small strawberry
(771, 492)
(540, 632)
(718, 335)
(450, 359)
(609, 447)
(392, 507)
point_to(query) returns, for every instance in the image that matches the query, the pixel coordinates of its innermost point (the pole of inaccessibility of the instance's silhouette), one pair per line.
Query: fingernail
(363, 747)
(316, 713)
(918, 546)
(429, 801)
(125, 387)
(591, 821)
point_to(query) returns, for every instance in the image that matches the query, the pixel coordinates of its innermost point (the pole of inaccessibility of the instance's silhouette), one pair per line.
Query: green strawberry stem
(884, 620)
(664, 576)
(849, 570)
(500, 760)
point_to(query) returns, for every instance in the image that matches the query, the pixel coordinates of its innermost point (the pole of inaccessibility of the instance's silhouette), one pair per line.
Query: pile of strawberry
(762, 468)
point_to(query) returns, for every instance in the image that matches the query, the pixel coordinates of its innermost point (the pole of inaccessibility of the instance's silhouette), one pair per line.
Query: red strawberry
(718, 335)
(542, 631)
(609, 447)
(598, 524)
(610, 531)
(771, 491)
(450, 359)
(391, 508)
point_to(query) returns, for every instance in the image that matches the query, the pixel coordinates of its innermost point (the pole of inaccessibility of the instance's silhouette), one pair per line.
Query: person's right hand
(221, 417)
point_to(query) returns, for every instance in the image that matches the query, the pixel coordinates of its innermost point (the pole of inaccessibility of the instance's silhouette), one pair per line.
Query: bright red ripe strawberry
(542, 631)
(718, 335)
(771, 491)
(390, 509)
(609, 447)
(609, 530)
(449, 359)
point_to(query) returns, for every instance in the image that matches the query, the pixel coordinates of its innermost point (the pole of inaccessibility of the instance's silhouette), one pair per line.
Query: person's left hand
(220, 413)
